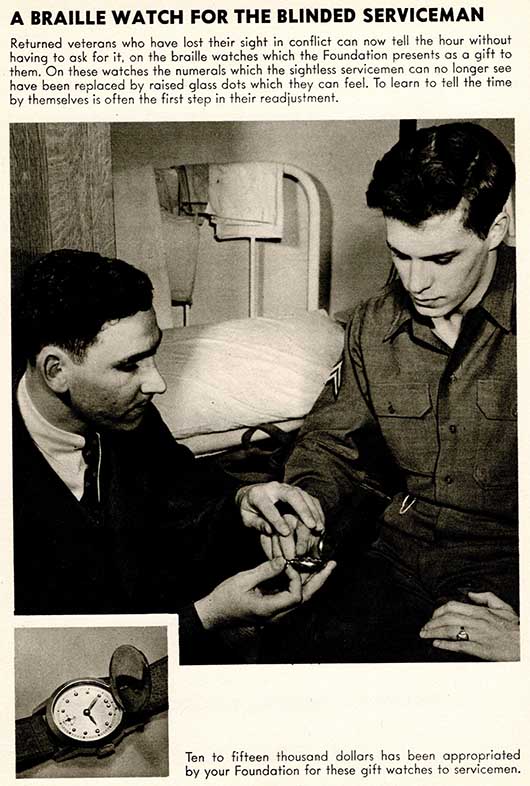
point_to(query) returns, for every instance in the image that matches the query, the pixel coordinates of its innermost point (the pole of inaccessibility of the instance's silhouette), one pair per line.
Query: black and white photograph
(91, 702)
(264, 377)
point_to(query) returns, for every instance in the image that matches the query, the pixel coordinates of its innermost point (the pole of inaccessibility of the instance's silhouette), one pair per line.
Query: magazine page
(264, 463)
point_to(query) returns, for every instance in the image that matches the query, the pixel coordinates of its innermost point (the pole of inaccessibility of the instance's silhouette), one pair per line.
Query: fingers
(482, 611)
(305, 506)
(481, 625)
(449, 619)
(260, 500)
(456, 607)
(466, 647)
(298, 591)
(300, 543)
(266, 570)
(308, 509)
(450, 606)
(494, 648)
(301, 540)
(505, 614)
(295, 582)
(240, 598)
(286, 546)
(273, 604)
(283, 547)
(490, 600)
(266, 545)
(276, 546)
(449, 629)
(317, 580)
(307, 540)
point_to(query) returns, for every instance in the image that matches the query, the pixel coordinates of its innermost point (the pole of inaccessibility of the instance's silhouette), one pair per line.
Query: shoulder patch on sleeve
(335, 377)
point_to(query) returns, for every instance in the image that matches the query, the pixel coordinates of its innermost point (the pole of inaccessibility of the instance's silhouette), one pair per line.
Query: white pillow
(244, 372)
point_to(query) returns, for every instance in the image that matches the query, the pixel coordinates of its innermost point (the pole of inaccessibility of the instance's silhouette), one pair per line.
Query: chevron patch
(335, 377)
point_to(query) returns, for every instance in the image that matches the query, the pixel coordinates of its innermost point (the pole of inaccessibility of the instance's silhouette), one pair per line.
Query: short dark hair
(429, 174)
(68, 295)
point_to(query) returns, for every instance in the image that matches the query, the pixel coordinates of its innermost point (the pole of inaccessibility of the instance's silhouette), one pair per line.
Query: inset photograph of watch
(79, 728)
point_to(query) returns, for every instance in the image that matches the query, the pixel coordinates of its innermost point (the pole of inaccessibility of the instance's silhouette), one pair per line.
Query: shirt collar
(403, 315)
(50, 439)
(498, 302)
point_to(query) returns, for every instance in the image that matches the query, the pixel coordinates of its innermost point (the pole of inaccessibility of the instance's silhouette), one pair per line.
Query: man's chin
(132, 420)
(432, 308)
(128, 426)
(129, 422)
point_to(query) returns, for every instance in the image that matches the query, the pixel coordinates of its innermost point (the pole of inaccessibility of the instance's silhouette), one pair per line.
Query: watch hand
(88, 715)
(92, 703)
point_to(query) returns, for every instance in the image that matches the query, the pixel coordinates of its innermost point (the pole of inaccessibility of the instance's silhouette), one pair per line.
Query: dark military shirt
(405, 414)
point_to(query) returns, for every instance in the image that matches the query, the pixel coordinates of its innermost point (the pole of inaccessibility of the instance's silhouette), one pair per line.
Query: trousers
(376, 601)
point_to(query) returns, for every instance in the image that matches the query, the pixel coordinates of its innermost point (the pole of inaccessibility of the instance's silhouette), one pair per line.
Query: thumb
(267, 570)
(489, 599)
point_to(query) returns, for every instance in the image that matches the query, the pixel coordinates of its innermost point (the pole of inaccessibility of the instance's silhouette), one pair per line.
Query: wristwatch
(91, 715)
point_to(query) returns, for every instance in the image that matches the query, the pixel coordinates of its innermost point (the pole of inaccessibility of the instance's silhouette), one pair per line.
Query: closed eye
(132, 363)
(442, 260)
(437, 259)
(127, 367)
(399, 255)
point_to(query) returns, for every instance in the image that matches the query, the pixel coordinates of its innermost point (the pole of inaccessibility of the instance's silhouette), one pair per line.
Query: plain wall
(339, 155)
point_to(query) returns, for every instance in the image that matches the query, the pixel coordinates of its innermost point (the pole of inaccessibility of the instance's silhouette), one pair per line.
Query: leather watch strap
(33, 741)
(158, 701)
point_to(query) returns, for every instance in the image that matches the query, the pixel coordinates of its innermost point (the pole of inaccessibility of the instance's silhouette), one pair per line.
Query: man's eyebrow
(141, 355)
(429, 257)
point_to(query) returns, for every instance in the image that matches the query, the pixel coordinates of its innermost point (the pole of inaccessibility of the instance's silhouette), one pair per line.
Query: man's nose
(419, 276)
(152, 382)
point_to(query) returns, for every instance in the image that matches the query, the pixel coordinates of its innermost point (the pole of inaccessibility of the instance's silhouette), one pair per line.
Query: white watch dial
(85, 711)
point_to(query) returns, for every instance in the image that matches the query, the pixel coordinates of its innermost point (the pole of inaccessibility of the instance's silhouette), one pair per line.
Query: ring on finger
(462, 634)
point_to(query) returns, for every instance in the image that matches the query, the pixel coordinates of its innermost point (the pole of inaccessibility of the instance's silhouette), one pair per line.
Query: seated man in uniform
(111, 515)
(421, 414)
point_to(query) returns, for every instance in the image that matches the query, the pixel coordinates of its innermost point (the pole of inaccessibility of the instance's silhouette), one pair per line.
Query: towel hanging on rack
(246, 200)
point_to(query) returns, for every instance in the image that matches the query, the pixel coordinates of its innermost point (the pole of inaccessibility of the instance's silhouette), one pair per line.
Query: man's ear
(498, 230)
(53, 364)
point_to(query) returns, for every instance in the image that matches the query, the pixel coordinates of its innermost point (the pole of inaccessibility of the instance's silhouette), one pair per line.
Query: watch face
(84, 711)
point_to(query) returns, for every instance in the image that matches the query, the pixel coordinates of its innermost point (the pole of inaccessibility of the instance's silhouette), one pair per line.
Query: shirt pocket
(496, 456)
(405, 415)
